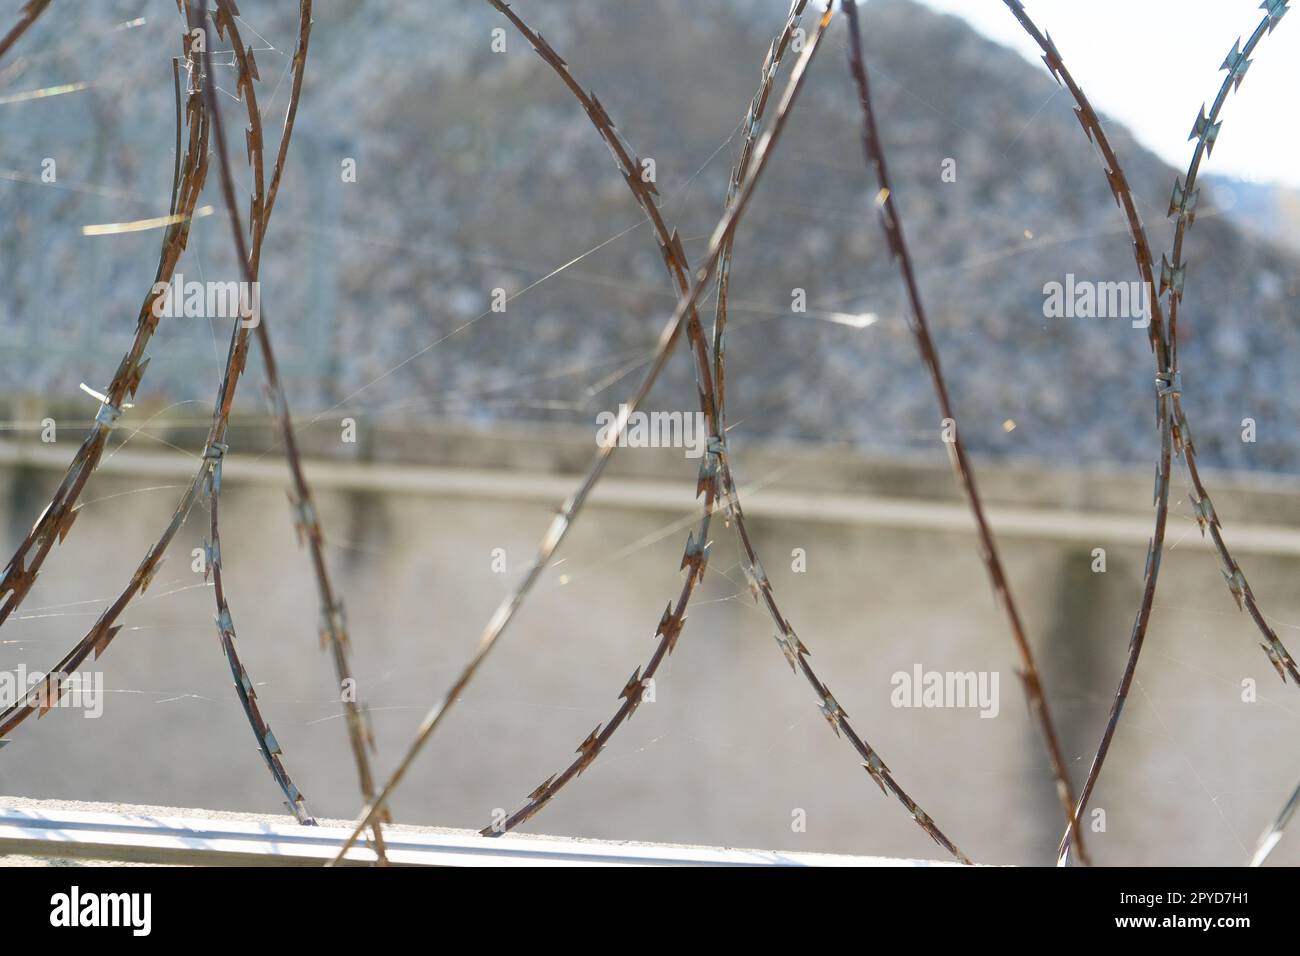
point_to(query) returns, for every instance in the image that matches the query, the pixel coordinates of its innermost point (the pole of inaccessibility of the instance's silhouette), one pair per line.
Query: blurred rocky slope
(476, 170)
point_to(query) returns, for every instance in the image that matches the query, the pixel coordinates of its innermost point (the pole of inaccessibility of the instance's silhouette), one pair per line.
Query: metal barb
(1205, 131)
(1236, 64)
(1275, 11)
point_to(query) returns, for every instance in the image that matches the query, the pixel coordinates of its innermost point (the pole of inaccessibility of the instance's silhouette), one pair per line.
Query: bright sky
(1151, 64)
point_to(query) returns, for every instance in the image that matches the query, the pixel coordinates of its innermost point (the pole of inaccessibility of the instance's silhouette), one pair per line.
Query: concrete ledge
(47, 830)
(1090, 523)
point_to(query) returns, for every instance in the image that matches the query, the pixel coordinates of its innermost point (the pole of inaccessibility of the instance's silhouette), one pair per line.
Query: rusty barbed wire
(26, 17)
(751, 124)
(42, 697)
(1166, 375)
(1174, 429)
(563, 521)
(795, 651)
(696, 553)
(893, 229)
(711, 478)
(1182, 206)
(206, 481)
(260, 213)
(1205, 132)
(59, 514)
(333, 628)
(298, 67)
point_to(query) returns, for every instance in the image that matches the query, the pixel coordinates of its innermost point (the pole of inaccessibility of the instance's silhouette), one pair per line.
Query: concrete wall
(733, 744)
